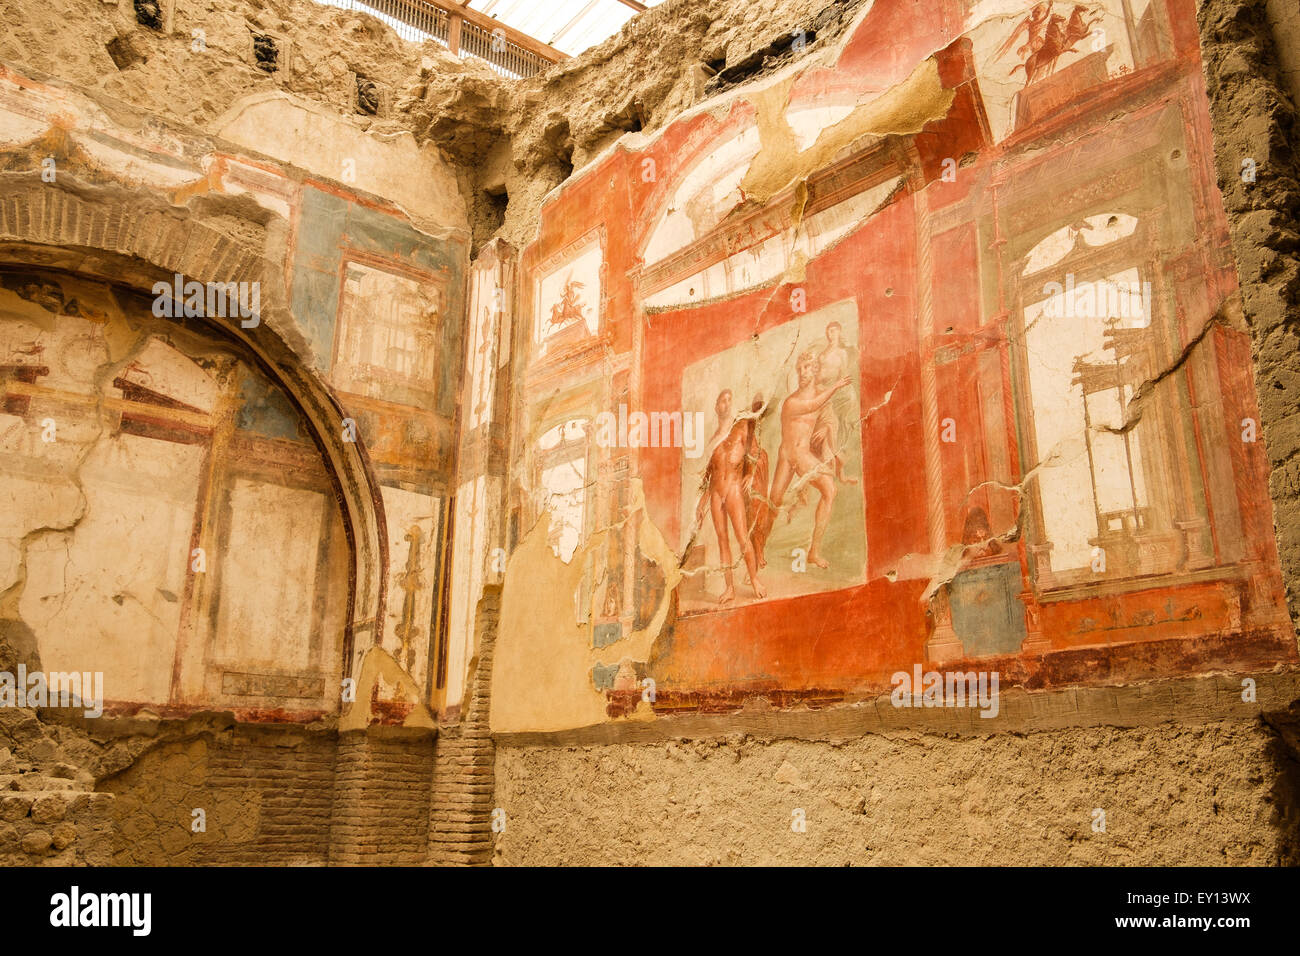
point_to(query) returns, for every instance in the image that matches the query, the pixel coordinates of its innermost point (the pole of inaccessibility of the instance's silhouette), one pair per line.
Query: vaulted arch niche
(171, 520)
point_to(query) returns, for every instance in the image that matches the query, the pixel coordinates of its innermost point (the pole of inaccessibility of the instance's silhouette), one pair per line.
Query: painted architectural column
(943, 644)
(478, 555)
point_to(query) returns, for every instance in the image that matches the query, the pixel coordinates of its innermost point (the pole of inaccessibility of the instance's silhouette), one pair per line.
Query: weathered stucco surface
(521, 140)
(188, 469)
(180, 73)
(282, 176)
(1220, 793)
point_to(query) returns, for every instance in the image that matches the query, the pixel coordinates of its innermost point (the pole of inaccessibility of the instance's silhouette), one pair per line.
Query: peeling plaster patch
(132, 164)
(61, 578)
(16, 128)
(542, 678)
(791, 251)
(389, 165)
(67, 504)
(377, 665)
(903, 109)
(651, 543)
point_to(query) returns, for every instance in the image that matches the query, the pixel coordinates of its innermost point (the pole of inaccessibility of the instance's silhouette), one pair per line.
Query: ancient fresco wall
(384, 306)
(927, 350)
(170, 523)
(327, 540)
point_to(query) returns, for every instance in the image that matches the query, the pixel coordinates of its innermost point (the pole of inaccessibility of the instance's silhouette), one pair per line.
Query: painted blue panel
(266, 410)
(329, 227)
(987, 613)
(606, 634)
(603, 676)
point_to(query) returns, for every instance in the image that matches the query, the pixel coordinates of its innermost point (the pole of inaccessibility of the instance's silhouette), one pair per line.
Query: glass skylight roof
(570, 26)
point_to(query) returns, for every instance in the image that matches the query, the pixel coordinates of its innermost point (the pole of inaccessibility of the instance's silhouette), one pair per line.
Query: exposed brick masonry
(460, 824)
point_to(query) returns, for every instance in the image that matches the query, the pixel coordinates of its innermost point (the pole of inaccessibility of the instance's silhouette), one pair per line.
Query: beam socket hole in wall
(560, 140)
(630, 119)
(367, 95)
(123, 52)
(266, 53)
(495, 202)
(762, 60)
(149, 13)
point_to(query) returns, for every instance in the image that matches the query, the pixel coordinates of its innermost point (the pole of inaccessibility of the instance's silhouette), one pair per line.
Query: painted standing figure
(725, 488)
(1035, 26)
(758, 510)
(837, 420)
(796, 458)
(1051, 36)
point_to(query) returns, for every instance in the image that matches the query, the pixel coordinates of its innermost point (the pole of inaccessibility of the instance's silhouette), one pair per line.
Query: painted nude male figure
(726, 481)
(796, 458)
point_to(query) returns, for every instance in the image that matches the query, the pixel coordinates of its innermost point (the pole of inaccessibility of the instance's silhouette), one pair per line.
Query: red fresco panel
(1098, 167)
